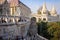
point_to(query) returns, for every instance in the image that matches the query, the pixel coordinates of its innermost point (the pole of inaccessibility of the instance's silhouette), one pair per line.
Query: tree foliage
(54, 30)
(42, 29)
(50, 30)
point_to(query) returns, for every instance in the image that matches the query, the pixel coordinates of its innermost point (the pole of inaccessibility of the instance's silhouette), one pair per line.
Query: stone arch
(39, 19)
(3, 20)
(44, 19)
(33, 18)
(20, 19)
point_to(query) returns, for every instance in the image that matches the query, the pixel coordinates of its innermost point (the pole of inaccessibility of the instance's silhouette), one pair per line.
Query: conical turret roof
(44, 7)
(53, 10)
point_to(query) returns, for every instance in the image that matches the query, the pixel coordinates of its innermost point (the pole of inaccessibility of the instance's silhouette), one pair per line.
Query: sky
(34, 5)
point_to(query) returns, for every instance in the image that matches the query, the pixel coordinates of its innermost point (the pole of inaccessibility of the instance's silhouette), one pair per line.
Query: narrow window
(44, 19)
(39, 19)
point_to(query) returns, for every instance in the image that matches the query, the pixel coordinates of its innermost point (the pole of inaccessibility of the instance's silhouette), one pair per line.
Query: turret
(53, 11)
(44, 9)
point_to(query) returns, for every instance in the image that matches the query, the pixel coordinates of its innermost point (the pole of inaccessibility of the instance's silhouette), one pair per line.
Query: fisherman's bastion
(17, 22)
(45, 15)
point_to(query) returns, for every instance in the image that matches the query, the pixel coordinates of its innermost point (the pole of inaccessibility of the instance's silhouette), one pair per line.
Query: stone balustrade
(25, 30)
(11, 30)
(12, 19)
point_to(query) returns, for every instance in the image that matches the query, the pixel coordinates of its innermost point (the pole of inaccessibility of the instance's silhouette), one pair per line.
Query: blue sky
(34, 5)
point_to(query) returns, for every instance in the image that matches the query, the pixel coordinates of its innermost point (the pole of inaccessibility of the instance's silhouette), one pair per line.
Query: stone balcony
(11, 30)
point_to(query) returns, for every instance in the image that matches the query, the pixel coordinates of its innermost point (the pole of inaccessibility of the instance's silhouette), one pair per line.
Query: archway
(39, 19)
(33, 18)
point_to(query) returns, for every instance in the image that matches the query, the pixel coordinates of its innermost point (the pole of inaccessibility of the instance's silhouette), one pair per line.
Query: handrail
(7, 24)
(42, 37)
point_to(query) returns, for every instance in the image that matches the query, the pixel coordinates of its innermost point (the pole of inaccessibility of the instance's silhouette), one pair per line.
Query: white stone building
(11, 12)
(14, 8)
(46, 15)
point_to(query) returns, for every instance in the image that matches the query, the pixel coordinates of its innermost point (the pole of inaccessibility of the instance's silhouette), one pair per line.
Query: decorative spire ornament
(44, 7)
(53, 11)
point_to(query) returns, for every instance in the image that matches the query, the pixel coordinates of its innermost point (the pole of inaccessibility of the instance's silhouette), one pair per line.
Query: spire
(44, 7)
(53, 9)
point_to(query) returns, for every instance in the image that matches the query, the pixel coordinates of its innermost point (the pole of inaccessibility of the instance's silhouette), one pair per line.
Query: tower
(44, 12)
(53, 11)
(44, 7)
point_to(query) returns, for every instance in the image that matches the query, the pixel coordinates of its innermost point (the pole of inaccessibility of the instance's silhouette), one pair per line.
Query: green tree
(42, 29)
(50, 30)
(54, 30)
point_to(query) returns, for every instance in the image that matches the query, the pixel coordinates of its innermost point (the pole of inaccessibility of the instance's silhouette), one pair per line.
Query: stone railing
(41, 37)
(14, 29)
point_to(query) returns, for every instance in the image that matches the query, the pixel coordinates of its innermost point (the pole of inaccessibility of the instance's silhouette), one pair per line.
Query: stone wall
(13, 30)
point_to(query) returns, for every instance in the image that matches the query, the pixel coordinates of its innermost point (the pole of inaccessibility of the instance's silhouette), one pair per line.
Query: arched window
(44, 19)
(39, 12)
(39, 19)
(19, 20)
(44, 12)
(25, 20)
(3, 20)
(33, 19)
(10, 20)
